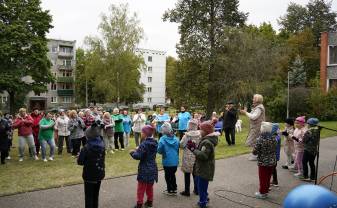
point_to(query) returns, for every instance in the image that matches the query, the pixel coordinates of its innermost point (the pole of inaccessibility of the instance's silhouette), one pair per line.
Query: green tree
(171, 73)
(23, 48)
(113, 64)
(201, 26)
(297, 75)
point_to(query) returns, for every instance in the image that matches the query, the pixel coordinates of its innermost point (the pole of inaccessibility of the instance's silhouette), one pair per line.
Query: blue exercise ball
(310, 196)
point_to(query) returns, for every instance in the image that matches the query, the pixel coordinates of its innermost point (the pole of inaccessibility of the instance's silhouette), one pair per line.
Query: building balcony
(65, 67)
(65, 92)
(65, 79)
(63, 54)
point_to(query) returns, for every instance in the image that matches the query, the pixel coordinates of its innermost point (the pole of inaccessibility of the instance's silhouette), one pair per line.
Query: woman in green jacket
(119, 130)
(46, 136)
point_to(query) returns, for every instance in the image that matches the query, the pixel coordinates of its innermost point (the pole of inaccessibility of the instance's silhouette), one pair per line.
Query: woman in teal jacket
(46, 136)
(168, 147)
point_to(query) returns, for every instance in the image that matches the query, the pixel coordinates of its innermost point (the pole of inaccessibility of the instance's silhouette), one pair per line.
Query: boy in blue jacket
(147, 168)
(275, 132)
(169, 149)
(92, 158)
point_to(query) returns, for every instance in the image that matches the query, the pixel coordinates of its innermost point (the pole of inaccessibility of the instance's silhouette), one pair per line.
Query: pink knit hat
(148, 130)
(207, 127)
(301, 119)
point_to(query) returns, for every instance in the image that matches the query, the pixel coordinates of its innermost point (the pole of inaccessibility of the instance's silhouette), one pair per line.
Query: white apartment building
(153, 77)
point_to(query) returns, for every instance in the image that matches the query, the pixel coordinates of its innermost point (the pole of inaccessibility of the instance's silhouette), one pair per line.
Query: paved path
(236, 174)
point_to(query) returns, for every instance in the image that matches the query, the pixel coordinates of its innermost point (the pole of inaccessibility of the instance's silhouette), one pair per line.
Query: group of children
(300, 148)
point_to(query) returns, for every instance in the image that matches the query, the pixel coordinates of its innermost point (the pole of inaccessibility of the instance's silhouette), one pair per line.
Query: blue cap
(312, 121)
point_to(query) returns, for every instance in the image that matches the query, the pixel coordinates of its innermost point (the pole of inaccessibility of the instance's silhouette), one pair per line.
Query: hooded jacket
(92, 158)
(265, 149)
(188, 159)
(169, 149)
(205, 156)
(147, 167)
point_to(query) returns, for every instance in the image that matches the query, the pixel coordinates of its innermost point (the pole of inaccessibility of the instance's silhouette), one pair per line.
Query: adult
(256, 117)
(61, 125)
(138, 123)
(24, 124)
(126, 127)
(9, 120)
(75, 126)
(36, 116)
(183, 118)
(160, 119)
(4, 140)
(119, 130)
(84, 138)
(88, 118)
(108, 132)
(46, 136)
(229, 121)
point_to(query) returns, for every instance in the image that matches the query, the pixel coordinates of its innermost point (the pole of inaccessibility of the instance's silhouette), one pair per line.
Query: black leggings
(76, 146)
(170, 178)
(187, 177)
(4, 154)
(91, 192)
(309, 158)
(118, 136)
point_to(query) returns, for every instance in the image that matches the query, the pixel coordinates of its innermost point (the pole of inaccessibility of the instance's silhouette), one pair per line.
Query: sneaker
(285, 166)
(148, 204)
(8, 158)
(298, 175)
(45, 160)
(258, 195)
(51, 158)
(122, 149)
(112, 152)
(36, 157)
(20, 159)
(184, 193)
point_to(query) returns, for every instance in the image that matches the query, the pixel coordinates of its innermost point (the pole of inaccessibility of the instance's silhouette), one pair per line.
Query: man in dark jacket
(230, 118)
(147, 168)
(204, 167)
(4, 140)
(92, 157)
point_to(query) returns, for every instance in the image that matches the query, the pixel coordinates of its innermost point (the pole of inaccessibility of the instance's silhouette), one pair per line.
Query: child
(147, 168)
(188, 159)
(205, 162)
(298, 144)
(169, 149)
(310, 140)
(276, 135)
(92, 157)
(289, 148)
(265, 149)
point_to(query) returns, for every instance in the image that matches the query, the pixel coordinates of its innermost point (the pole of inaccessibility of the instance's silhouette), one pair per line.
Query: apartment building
(153, 77)
(328, 66)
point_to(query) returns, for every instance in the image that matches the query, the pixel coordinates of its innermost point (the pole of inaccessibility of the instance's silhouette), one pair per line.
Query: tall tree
(112, 60)
(297, 74)
(201, 28)
(23, 48)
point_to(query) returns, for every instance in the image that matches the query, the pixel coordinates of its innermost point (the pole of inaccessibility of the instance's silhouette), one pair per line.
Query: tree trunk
(11, 102)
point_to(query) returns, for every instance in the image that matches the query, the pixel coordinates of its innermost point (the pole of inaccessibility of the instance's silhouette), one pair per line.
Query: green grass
(32, 175)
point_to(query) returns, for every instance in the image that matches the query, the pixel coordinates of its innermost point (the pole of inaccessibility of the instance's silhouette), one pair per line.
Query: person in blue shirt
(160, 119)
(168, 147)
(183, 118)
(127, 127)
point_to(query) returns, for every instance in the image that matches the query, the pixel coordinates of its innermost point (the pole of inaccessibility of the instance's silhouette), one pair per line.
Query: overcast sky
(75, 19)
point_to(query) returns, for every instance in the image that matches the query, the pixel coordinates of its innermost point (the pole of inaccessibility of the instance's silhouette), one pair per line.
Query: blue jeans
(51, 143)
(202, 189)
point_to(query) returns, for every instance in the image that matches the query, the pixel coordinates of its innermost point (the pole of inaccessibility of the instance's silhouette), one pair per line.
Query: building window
(53, 87)
(66, 86)
(53, 99)
(149, 58)
(332, 83)
(149, 69)
(54, 49)
(332, 55)
(67, 74)
(66, 62)
(54, 74)
(149, 89)
(66, 99)
(149, 100)
(4, 99)
(149, 79)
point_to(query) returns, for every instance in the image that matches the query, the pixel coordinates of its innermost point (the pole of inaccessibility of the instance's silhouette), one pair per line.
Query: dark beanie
(93, 132)
(290, 121)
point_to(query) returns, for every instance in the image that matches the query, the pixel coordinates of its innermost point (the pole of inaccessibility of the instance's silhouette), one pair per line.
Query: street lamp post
(288, 96)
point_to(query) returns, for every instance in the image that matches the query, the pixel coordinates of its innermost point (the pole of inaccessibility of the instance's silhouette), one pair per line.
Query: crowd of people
(102, 133)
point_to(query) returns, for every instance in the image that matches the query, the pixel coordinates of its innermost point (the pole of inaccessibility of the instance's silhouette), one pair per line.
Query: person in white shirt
(138, 123)
(61, 125)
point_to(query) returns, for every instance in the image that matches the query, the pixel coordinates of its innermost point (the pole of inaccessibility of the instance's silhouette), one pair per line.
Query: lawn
(32, 175)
